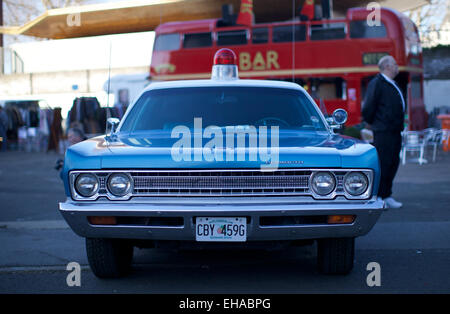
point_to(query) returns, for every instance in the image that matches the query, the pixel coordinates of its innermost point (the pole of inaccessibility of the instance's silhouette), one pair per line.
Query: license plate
(221, 229)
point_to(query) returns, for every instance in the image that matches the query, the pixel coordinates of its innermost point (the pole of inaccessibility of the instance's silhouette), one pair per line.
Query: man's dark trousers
(388, 145)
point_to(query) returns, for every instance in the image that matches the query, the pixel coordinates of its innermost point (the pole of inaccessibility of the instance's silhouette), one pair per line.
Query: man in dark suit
(384, 109)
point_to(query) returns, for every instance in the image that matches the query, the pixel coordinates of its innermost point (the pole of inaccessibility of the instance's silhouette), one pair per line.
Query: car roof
(214, 83)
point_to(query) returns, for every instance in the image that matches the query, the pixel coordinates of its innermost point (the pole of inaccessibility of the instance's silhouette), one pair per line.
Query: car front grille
(219, 183)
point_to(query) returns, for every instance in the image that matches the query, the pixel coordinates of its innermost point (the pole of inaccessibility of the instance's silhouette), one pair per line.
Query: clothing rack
(29, 127)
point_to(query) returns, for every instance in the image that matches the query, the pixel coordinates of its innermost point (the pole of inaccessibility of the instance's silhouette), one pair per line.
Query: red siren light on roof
(225, 65)
(225, 56)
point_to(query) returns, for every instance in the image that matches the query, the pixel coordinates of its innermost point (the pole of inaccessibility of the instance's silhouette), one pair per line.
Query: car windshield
(222, 106)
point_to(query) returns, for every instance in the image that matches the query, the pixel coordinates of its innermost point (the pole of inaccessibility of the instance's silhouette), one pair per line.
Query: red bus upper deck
(333, 59)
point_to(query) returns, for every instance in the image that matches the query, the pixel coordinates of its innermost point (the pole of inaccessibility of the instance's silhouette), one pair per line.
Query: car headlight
(323, 183)
(355, 183)
(86, 184)
(119, 184)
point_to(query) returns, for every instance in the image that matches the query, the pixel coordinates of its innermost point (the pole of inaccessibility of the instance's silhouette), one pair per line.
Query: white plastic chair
(433, 138)
(413, 142)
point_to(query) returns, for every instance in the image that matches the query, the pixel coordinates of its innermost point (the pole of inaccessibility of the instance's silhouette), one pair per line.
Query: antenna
(108, 113)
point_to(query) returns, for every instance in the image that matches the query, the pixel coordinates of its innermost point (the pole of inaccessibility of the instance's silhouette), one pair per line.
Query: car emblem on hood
(288, 162)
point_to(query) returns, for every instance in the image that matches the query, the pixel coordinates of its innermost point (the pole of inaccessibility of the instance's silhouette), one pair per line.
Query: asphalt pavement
(411, 245)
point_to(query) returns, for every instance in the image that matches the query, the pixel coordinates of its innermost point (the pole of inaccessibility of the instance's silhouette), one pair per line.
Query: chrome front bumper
(367, 213)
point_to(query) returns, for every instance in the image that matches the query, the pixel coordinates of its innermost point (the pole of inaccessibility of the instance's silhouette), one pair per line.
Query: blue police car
(221, 163)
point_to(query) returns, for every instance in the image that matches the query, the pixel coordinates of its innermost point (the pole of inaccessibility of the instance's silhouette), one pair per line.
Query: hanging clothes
(84, 111)
(55, 131)
(43, 123)
(33, 117)
(44, 129)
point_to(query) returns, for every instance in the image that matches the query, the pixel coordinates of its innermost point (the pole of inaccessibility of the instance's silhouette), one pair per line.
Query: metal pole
(1, 22)
(1, 40)
(293, 41)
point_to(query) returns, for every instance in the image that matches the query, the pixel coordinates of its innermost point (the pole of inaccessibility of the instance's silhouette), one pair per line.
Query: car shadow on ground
(289, 270)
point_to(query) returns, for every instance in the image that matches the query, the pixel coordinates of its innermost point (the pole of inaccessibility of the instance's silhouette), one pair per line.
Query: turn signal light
(102, 220)
(341, 219)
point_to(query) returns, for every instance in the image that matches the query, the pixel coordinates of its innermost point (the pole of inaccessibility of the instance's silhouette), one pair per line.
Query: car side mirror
(337, 119)
(111, 126)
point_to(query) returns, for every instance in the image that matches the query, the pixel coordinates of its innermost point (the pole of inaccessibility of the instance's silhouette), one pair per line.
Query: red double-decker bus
(333, 59)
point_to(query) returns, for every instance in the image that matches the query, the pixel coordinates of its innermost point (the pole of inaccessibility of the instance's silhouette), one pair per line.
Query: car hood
(305, 149)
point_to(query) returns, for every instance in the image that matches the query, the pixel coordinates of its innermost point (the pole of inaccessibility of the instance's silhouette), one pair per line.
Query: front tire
(335, 255)
(109, 258)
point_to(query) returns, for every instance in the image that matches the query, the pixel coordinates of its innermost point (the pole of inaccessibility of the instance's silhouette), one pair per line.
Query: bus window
(328, 88)
(166, 42)
(232, 38)
(260, 35)
(283, 34)
(412, 44)
(328, 31)
(372, 58)
(197, 40)
(360, 29)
